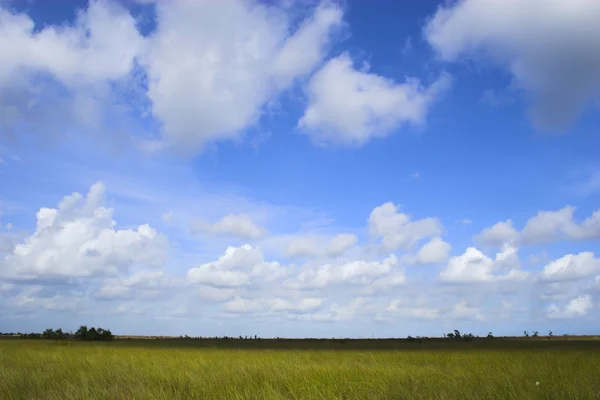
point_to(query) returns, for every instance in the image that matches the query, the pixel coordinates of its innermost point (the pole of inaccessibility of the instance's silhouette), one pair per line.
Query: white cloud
(240, 225)
(433, 252)
(499, 234)
(550, 47)
(231, 59)
(549, 226)
(305, 246)
(397, 230)
(240, 305)
(101, 45)
(576, 307)
(570, 267)
(545, 227)
(350, 107)
(352, 272)
(239, 266)
(113, 290)
(308, 246)
(462, 310)
(82, 61)
(399, 309)
(340, 243)
(143, 283)
(215, 294)
(337, 312)
(78, 239)
(211, 67)
(474, 266)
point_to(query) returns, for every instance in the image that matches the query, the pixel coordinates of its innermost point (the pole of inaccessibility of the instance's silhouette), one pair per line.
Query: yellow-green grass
(190, 369)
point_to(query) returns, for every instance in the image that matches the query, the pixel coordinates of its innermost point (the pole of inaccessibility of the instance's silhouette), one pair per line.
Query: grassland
(294, 369)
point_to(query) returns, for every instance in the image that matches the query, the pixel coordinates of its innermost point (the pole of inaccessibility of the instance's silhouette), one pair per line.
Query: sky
(300, 168)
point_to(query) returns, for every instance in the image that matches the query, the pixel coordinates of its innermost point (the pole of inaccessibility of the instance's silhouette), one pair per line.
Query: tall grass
(47, 370)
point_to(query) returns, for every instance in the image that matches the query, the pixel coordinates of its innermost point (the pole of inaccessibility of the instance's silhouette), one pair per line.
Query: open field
(300, 369)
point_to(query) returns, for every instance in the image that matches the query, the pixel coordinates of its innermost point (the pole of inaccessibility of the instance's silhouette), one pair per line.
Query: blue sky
(300, 168)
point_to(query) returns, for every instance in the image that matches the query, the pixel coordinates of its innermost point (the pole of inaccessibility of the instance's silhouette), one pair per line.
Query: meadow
(300, 369)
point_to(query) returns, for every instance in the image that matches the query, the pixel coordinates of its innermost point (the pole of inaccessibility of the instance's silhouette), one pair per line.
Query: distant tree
(48, 333)
(456, 333)
(450, 335)
(535, 333)
(83, 333)
(106, 335)
(489, 335)
(550, 335)
(526, 333)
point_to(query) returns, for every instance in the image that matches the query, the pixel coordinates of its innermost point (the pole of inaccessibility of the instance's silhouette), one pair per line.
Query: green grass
(182, 369)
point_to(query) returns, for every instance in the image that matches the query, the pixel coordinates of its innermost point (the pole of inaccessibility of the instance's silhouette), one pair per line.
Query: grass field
(295, 369)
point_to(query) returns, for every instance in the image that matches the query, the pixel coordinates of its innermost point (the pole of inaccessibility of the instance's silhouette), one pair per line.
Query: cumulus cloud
(239, 266)
(474, 266)
(571, 267)
(498, 234)
(576, 307)
(352, 272)
(232, 58)
(312, 246)
(550, 47)
(98, 49)
(102, 44)
(240, 225)
(350, 107)
(79, 239)
(211, 67)
(433, 252)
(397, 230)
(545, 227)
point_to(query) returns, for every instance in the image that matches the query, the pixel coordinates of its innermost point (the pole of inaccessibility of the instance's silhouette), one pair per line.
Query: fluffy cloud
(474, 266)
(239, 266)
(545, 227)
(352, 272)
(576, 307)
(240, 225)
(78, 239)
(232, 58)
(308, 246)
(97, 51)
(498, 234)
(571, 266)
(350, 107)
(211, 67)
(550, 47)
(101, 45)
(433, 252)
(397, 230)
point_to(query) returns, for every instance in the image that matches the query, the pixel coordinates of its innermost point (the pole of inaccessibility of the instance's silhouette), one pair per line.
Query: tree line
(83, 333)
